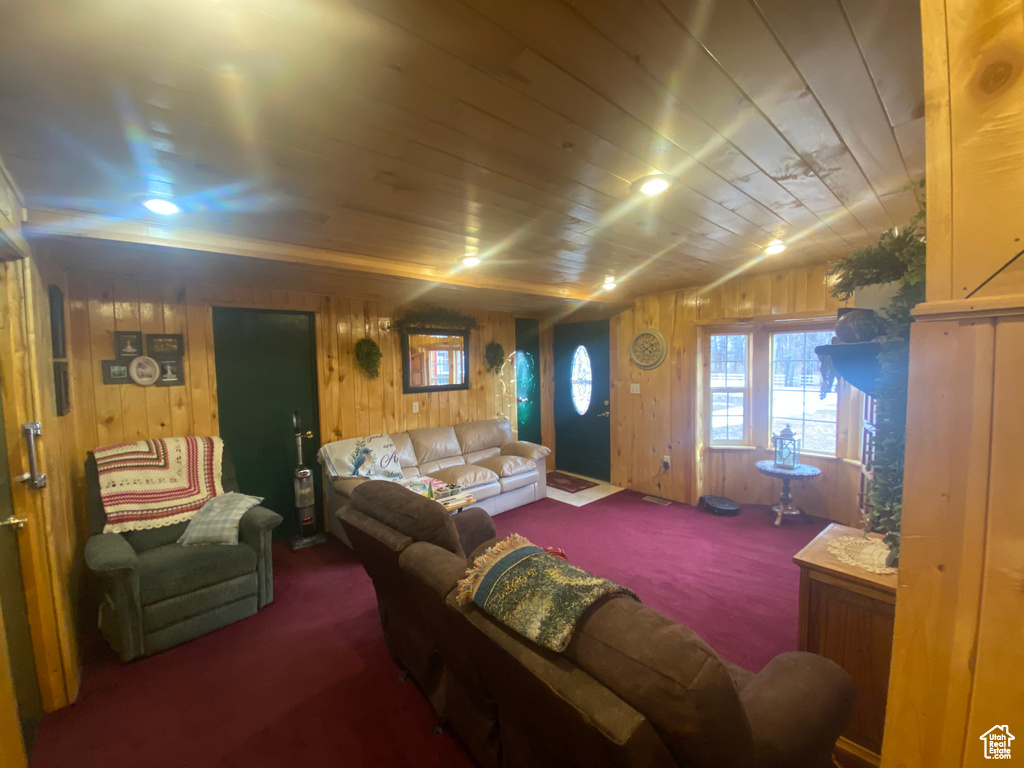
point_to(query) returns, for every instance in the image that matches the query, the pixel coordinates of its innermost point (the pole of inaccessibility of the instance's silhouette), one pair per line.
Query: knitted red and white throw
(154, 483)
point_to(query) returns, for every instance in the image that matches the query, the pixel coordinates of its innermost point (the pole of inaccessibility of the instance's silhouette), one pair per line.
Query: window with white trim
(795, 391)
(729, 366)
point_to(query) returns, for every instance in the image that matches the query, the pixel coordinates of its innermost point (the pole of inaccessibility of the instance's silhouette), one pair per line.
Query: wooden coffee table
(457, 503)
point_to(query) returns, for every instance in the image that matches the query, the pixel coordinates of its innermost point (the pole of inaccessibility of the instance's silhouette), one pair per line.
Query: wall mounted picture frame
(169, 346)
(57, 336)
(172, 373)
(115, 372)
(144, 371)
(62, 387)
(128, 345)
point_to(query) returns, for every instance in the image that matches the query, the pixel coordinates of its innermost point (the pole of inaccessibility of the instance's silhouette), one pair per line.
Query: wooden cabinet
(846, 615)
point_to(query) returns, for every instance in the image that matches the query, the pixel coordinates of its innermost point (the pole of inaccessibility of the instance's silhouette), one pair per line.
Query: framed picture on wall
(62, 387)
(165, 347)
(57, 322)
(172, 373)
(127, 344)
(115, 372)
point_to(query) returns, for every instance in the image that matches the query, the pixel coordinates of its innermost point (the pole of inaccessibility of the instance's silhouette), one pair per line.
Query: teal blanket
(536, 594)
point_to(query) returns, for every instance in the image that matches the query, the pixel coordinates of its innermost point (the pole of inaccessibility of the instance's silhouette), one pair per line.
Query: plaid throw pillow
(218, 520)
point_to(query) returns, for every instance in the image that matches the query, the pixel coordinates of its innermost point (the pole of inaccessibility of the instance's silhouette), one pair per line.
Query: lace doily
(868, 554)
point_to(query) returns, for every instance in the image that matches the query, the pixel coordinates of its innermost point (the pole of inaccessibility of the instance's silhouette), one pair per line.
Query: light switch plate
(415, 406)
(634, 389)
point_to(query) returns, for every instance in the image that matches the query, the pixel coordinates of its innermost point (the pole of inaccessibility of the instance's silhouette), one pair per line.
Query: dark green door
(15, 611)
(582, 393)
(266, 370)
(528, 378)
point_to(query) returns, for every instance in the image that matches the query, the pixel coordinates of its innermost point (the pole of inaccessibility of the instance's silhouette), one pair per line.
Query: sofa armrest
(438, 568)
(344, 486)
(474, 527)
(256, 529)
(110, 556)
(525, 449)
(798, 705)
(109, 552)
(482, 547)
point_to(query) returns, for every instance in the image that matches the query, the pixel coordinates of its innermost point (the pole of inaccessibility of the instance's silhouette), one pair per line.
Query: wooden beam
(70, 224)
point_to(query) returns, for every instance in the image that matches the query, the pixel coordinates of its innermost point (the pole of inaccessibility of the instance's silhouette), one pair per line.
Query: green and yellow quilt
(538, 595)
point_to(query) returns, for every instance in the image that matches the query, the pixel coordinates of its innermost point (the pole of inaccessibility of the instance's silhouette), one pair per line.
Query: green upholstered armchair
(154, 593)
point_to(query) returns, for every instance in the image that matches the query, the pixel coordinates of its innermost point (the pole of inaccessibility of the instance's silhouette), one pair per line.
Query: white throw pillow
(374, 456)
(217, 521)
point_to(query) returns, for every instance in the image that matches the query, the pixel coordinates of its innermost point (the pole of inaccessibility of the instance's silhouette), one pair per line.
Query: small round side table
(800, 471)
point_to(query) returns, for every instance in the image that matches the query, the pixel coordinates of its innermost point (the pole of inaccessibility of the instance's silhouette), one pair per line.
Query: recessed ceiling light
(774, 247)
(161, 206)
(654, 184)
(609, 283)
(471, 261)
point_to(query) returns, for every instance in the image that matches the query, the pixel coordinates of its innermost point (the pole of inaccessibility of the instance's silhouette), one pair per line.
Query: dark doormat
(568, 483)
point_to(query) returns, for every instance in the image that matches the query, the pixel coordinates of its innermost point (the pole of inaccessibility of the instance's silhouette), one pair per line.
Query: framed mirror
(434, 360)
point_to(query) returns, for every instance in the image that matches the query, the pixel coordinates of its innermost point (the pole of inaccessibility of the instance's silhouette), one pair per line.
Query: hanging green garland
(494, 357)
(437, 317)
(897, 256)
(368, 356)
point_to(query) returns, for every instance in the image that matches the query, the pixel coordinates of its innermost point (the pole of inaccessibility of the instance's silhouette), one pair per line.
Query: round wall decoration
(144, 371)
(648, 349)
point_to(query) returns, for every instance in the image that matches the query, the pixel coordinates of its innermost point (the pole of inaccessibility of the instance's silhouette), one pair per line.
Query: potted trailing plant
(898, 256)
(368, 356)
(494, 357)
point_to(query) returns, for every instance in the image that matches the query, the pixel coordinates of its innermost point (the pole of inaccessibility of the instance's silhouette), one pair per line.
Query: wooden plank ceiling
(411, 132)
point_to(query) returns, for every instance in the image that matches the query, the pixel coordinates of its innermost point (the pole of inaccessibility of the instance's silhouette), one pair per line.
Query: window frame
(747, 390)
(758, 401)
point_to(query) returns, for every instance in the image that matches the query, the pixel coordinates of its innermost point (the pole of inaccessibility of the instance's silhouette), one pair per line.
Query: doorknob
(521, 399)
(309, 434)
(605, 415)
(14, 522)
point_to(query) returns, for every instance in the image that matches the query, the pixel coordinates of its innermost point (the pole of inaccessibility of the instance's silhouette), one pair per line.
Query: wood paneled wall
(666, 417)
(547, 390)
(350, 404)
(957, 652)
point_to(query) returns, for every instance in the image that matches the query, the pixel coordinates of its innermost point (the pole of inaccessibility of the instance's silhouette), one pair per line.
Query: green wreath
(494, 357)
(368, 356)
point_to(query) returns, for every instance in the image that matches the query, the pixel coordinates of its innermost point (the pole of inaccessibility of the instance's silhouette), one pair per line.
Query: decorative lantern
(787, 449)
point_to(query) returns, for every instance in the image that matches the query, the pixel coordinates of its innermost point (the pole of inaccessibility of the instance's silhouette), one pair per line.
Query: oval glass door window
(581, 380)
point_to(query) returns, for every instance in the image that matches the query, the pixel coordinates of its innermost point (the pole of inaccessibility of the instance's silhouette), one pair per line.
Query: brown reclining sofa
(634, 688)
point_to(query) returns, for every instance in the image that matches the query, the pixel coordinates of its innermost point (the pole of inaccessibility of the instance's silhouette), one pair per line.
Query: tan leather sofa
(480, 456)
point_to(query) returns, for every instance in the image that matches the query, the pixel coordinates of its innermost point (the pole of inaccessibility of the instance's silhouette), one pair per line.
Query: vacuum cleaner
(305, 496)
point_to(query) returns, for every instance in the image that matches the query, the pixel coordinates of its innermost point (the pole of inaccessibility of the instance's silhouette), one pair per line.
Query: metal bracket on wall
(30, 430)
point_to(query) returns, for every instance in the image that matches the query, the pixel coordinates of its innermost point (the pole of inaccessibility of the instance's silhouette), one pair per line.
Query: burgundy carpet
(307, 681)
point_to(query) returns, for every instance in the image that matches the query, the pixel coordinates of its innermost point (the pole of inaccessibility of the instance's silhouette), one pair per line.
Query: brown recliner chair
(634, 688)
